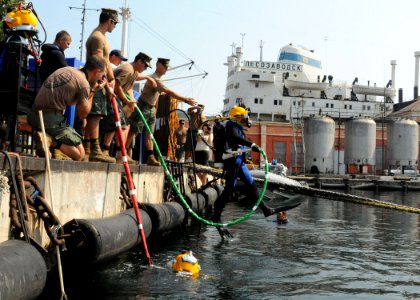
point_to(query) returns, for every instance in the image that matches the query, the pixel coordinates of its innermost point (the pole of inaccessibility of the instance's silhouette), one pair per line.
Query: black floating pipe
(210, 195)
(95, 240)
(219, 188)
(196, 201)
(166, 216)
(23, 272)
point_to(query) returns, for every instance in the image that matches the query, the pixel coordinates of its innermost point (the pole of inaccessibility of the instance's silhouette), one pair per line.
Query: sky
(356, 38)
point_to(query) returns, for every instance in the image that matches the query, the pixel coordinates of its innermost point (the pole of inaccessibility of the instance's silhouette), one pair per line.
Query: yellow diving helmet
(186, 262)
(240, 114)
(21, 15)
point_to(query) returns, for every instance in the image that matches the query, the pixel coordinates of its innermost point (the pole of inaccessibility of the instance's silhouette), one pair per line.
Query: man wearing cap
(147, 104)
(116, 58)
(125, 76)
(97, 44)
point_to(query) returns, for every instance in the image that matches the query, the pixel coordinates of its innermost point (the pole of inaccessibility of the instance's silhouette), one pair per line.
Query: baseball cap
(118, 54)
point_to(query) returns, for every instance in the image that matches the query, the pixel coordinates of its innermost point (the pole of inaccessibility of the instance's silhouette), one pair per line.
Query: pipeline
(23, 272)
(335, 196)
(191, 211)
(95, 240)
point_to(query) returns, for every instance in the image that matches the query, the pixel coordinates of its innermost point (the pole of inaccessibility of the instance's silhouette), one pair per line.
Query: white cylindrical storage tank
(360, 141)
(403, 142)
(319, 136)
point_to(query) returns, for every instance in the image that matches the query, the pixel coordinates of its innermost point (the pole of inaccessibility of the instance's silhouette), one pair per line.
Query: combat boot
(129, 159)
(58, 154)
(151, 161)
(38, 137)
(86, 146)
(96, 153)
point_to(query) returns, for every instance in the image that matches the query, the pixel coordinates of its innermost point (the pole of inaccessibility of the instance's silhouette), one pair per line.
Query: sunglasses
(113, 22)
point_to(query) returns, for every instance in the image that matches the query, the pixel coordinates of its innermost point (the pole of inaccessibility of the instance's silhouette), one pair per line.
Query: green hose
(195, 215)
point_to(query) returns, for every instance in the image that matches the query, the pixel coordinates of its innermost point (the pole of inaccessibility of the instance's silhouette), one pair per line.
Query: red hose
(129, 178)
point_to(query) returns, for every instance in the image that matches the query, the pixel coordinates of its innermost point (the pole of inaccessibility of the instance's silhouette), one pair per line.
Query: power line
(84, 9)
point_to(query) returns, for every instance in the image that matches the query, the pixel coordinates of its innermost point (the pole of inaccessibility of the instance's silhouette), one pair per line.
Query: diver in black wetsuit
(236, 167)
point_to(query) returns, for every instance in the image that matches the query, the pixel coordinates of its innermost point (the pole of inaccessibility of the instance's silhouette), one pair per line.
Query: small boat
(373, 90)
(313, 86)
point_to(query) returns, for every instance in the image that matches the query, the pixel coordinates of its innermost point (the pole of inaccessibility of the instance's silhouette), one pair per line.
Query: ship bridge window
(255, 76)
(238, 100)
(313, 104)
(275, 102)
(278, 102)
(261, 101)
(332, 105)
(368, 108)
(236, 85)
(364, 107)
(327, 105)
(300, 58)
(350, 106)
(345, 106)
(256, 101)
(257, 84)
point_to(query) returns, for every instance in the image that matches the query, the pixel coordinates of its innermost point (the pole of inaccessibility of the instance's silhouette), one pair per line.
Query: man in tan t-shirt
(125, 76)
(147, 104)
(67, 86)
(97, 44)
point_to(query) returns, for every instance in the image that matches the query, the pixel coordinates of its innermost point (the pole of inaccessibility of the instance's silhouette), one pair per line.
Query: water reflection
(328, 250)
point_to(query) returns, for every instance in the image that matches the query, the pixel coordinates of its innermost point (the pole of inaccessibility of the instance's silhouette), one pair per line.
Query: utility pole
(84, 9)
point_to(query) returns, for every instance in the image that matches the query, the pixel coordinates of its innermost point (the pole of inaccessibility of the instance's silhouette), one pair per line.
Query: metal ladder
(298, 153)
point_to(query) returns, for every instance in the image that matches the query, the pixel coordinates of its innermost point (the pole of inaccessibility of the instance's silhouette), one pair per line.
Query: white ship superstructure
(295, 86)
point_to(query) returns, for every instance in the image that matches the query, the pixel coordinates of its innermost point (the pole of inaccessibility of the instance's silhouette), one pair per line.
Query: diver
(235, 167)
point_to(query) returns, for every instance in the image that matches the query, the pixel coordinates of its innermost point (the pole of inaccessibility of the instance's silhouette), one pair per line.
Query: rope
(195, 215)
(47, 162)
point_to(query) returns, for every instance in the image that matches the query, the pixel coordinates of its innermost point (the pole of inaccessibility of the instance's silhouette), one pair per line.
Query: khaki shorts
(56, 126)
(99, 103)
(149, 113)
(108, 122)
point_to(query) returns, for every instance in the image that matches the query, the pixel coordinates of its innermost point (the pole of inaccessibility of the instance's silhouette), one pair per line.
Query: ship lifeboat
(313, 86)
(373, 90)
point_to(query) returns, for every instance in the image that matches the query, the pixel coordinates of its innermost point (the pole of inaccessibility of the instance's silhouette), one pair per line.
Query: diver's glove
(255, 147)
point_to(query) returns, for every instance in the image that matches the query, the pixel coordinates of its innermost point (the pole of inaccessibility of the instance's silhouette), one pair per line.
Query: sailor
(97, 44)
(147, 104)
(66, 86)
(235, 167)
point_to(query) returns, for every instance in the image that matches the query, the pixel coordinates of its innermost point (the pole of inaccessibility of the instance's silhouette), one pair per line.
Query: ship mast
(126, 14)
(261, 50)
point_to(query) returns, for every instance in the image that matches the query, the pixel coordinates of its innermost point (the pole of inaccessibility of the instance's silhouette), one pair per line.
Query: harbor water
(328, 250)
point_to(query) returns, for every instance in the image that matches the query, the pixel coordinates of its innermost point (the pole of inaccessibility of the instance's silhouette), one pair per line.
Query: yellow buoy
(187, 263)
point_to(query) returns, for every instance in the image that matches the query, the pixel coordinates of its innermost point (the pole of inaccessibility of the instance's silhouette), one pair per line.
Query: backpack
(219, 141)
